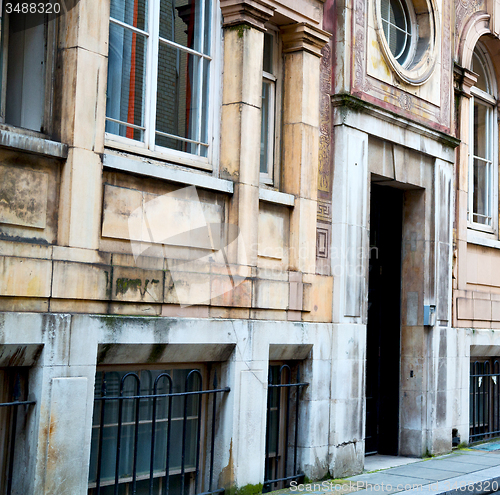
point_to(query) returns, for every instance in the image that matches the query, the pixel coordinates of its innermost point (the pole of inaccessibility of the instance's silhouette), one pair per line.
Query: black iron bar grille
(154, 433)
(484, 392)
(283, 403)
(14, 412)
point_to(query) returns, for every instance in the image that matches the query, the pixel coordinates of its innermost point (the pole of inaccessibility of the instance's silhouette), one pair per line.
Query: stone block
(25, 250)
(244, 212)
(302, 252)
(411, 443)
(294, 316)
(25, 277)
(23, 197)
(482, 309)
(119, 204)
(229, 313)
(240, 143)
(137, 285)
(272, 234)
(317, 298)
(495, 311)
(176, 311)
(64, 450)
(24, 304)
(301, 89)
(465, 310)
(129, 309)
(270, 294)
(78, 306)
(296, 296)
(81, 281)
(90, 99)
(187, 288)
(300, 160)
(227, 291)
(80, 200)
(243, 58)
(79, 255)
(267, 314)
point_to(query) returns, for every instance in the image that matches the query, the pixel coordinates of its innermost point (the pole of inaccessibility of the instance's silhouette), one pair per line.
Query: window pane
(25, 71)
(268, 53)
(481, 192)
(204, 107)
(207, 43)
(397, 28)
(181, 22)
(480, 130)
(264, 138)
(132, 12)
(126, 82)
(479, 69)
(179, 103)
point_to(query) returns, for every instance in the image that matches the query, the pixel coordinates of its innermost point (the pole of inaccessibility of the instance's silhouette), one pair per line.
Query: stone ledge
(32, 144)
(146, 168)
(276, 197)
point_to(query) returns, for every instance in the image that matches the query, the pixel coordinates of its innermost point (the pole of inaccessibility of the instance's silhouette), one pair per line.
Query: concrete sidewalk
(471, 471)
(464, 471)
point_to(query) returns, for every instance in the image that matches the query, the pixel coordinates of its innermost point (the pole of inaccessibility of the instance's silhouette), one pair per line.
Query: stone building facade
(233, 195)
(476, 275)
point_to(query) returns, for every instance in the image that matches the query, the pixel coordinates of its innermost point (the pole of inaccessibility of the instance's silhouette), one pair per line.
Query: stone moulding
(304, 37)
(251, 12)
(352, 103)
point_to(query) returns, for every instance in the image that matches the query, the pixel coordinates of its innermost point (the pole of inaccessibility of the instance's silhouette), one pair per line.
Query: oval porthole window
(408, 32)
(397, 28)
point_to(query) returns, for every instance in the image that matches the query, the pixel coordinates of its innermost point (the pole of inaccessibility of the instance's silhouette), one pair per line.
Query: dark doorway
(384, 314)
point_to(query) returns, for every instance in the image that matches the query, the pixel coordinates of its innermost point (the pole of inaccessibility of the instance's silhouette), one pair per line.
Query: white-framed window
(482, 211)
(271, 97)
(27, 56)
(161, 69)
(399, 25)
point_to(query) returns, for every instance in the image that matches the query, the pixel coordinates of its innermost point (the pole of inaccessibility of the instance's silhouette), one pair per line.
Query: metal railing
(484, 400)
(153, 423)
(14, 407)
(282, 430)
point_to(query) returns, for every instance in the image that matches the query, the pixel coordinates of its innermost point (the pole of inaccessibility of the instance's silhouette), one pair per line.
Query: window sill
(475, 237)
(172, 155)
(19, 139)
(143, 166)
(275, 197)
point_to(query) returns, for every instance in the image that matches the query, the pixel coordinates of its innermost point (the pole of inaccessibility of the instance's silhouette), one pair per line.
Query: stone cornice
(303, 37)
(254, 13)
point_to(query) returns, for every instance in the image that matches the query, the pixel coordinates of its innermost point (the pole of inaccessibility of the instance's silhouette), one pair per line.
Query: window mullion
(152, 73)
(471, 161)
(200, 77)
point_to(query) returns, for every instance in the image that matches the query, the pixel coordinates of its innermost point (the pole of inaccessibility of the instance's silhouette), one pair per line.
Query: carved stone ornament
(251, 12)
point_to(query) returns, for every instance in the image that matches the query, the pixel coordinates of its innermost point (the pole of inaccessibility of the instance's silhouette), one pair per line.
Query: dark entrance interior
(384, 314)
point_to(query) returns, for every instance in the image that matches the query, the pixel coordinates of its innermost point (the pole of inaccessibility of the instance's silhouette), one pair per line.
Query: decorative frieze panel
(373, 80)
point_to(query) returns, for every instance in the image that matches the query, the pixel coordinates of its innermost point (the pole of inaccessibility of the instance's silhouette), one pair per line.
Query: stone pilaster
(241, 117)
(464, 81)
(302, 45)
(81, 111)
